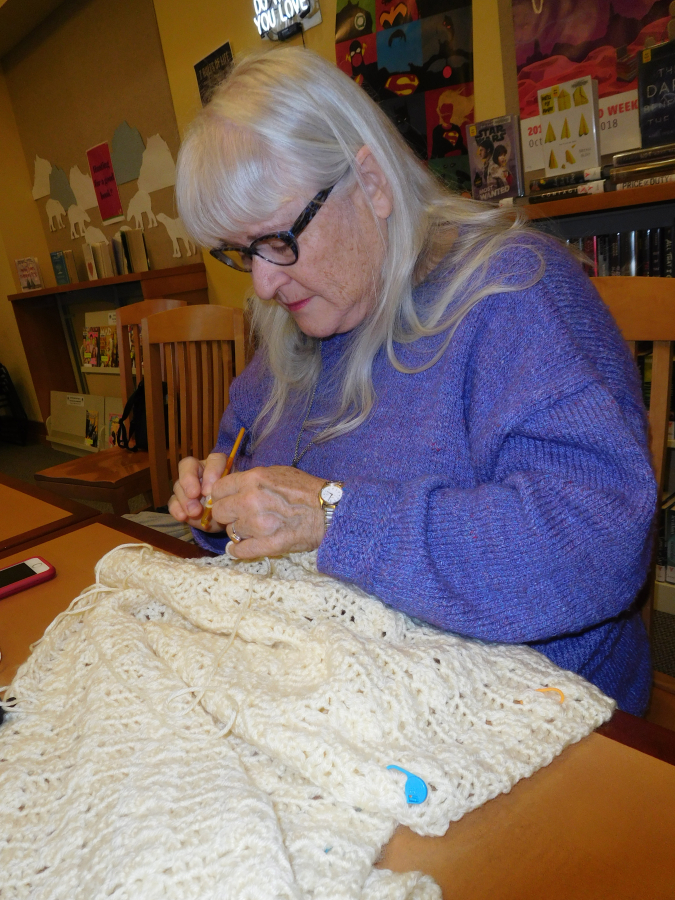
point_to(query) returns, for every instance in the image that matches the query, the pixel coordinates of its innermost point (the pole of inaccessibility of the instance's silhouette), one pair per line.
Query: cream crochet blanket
(211, 729)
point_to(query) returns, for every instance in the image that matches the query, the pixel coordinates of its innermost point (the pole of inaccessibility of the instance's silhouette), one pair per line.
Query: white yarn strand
(213, 728)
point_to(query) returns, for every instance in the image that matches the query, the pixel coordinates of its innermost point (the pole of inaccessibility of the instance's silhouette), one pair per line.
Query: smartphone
(25, 574)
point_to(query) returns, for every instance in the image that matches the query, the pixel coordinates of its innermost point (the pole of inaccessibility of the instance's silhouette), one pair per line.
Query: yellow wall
(188, 32)
(21, 234)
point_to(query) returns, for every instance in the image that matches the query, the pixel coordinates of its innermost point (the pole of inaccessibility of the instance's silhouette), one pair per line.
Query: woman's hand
(195, 480)
(274, 509)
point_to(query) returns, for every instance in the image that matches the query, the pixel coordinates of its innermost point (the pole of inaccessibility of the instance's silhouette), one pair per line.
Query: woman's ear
(375, 183)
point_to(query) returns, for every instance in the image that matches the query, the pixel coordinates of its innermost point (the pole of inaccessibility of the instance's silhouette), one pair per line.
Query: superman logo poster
(415, 58)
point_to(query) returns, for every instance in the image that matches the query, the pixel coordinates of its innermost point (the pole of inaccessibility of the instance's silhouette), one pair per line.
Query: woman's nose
(268, 278)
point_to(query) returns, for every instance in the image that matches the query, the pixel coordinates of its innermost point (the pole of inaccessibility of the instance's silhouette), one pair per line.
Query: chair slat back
(200, 349)
(644, 310)
(129, 319)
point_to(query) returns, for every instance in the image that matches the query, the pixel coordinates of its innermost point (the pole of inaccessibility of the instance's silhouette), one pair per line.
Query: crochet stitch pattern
(213, 729)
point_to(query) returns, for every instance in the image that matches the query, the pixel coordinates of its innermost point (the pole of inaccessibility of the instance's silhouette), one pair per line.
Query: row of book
(645, 253)
(665, 548)
(128, 253)
(635, 168)
(570, 140)
(99, 347)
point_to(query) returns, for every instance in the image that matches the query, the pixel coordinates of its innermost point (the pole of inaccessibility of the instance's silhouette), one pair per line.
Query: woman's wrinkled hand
(273, 509)
(195, 480)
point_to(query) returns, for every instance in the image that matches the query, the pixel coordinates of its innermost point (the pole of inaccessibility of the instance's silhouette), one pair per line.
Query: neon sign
(273, 14)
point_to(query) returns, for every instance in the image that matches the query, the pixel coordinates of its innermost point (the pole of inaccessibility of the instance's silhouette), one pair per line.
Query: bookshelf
(593, 203)
(50, 339)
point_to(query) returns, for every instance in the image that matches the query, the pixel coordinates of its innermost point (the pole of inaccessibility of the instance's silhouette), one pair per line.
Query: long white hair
(287, 123)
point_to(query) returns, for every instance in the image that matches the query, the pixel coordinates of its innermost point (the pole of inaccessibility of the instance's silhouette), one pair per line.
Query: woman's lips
(299, 304)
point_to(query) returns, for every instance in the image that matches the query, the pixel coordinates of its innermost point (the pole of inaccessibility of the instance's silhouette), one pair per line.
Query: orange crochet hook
(207, 514)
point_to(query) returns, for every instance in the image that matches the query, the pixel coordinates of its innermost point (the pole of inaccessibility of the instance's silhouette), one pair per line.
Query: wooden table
(598, 822)
(29, 512)
(73, 551)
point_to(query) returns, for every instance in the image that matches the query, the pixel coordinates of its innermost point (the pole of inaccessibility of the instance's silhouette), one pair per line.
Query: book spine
(603, 255)
(555, 181)
(670, 546)
(579, 190)
(629, 157)
(643, 252)
(646, 170)
(70, 265)
(59, 266)
(656, 252)
(667, 266)
(590, 249)
(92, 274)
(645, 182)
(628, 253)
(661, 547)
(127, 251)
(615, 254)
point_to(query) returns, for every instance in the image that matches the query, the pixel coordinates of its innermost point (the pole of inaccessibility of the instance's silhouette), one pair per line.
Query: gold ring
(235, 537)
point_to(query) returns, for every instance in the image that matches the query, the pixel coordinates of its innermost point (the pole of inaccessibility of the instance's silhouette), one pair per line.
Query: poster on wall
(561, 40)
(105, 185)
(211, 70)
(415, 59)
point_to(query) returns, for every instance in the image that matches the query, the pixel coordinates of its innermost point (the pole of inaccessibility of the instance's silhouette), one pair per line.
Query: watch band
(327, 506)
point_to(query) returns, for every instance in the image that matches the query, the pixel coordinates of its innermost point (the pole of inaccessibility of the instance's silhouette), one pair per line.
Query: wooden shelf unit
(39, 316)
(591, 203)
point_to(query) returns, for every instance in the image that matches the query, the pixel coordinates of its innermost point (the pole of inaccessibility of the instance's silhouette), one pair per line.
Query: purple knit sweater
(504, 494)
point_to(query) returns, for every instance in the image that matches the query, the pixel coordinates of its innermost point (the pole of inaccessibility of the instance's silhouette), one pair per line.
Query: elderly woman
(440, 404)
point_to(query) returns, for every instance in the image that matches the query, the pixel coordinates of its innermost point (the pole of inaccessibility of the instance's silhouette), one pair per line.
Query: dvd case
(495, 159)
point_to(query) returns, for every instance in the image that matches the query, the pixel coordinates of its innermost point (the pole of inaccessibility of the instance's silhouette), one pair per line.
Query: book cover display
(569, 124)
(108, 346)
(91, 431)
(656, 94)
(494, 159)
(28, 269)
(91, 346)
(415, 58)
(561, 40)
(113, 428)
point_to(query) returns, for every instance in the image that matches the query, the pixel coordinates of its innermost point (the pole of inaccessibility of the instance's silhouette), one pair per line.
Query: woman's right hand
(195, 480)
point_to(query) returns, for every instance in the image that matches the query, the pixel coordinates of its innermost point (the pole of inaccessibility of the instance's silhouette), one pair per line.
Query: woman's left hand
(273, 509)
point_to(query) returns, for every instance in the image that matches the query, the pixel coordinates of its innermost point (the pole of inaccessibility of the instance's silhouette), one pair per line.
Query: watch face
(331, 493)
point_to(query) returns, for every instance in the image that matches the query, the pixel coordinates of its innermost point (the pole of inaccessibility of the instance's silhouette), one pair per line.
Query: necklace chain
(296, 456)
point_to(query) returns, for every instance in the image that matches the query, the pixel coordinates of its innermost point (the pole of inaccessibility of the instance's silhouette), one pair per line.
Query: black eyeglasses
(280, 248)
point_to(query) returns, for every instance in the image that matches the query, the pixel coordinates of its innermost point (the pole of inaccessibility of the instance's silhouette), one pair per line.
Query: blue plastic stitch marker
(415, 788)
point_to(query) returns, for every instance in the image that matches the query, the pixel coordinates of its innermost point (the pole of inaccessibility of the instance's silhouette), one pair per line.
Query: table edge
(647, 737)
(141, 532)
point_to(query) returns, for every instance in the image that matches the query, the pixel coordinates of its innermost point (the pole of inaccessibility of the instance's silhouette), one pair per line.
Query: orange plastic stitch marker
(207, 514)
(555, 690)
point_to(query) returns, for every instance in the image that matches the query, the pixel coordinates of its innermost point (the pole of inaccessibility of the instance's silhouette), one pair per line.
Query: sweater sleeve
(553, 536)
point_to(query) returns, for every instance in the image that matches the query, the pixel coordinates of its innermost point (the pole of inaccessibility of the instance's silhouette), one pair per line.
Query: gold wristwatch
(329, 497)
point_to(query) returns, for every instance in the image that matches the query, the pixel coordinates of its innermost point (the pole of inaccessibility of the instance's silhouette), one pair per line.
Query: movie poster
(561, 40)
(415, 58)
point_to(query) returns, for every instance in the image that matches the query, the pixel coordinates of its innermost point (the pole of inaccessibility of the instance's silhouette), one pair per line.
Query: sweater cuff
(352, 547)
(213, 542)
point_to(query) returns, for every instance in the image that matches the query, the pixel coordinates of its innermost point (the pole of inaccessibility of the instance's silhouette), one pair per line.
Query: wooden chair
(114, 475)
(644, 310)
(199, 349)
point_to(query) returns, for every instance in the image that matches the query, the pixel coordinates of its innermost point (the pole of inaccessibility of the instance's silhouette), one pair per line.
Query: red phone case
(27, 582)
